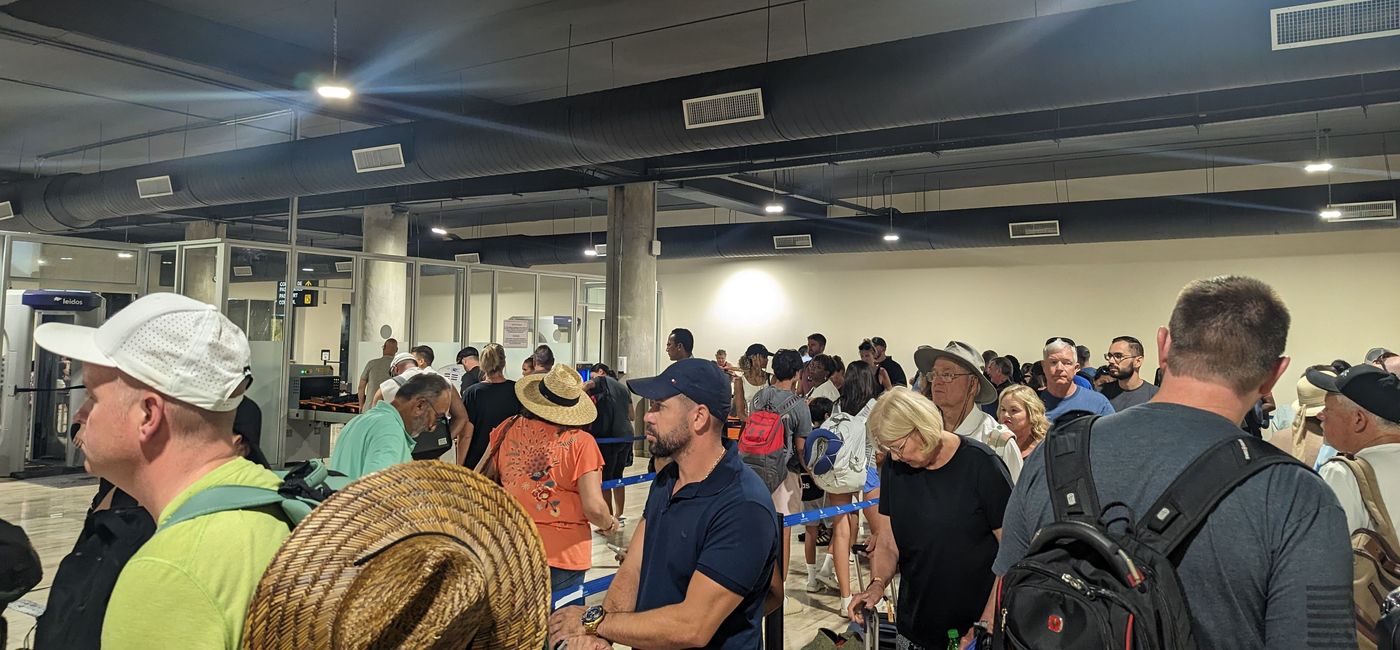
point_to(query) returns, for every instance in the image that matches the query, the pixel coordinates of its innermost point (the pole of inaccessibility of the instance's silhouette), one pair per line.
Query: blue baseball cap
(698, 379)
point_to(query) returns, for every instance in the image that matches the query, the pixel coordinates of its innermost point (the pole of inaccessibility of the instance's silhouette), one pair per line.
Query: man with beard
(700, 566)
(1124, 359)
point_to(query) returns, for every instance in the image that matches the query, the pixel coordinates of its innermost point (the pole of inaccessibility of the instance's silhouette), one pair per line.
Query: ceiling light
(773, 208)
(124, 255)
(167, 262)
(66, 259)
(308, 269)
(1330, 213)
(334, 91)
(590, 252)
(1313, 168)
(439, 231)
(43, 262)
(894, 236)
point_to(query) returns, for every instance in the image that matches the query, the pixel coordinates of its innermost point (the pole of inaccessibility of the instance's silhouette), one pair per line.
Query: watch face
(592, 614)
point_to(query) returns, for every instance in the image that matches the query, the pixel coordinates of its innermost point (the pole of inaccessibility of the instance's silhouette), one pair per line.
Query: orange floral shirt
(540, 464)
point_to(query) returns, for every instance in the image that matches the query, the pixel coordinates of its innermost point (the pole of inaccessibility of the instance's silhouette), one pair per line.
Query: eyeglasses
(433, 410)
(946, 377)
(894, 452)
(1118, 356)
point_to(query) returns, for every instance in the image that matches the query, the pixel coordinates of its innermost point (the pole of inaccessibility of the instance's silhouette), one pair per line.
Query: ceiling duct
(1033, 229)
(1060, 61)
(1365, 211)
(1335, 21)
(728, 108)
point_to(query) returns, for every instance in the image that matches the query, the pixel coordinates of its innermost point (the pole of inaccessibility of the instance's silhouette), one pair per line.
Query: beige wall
(1341, 288)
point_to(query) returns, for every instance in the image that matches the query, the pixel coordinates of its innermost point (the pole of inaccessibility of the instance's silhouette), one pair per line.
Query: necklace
(712, 468)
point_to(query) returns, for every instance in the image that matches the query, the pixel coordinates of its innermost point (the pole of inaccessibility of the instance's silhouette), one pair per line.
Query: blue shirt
(724, 527)
(1083, 382)
(1081, 399)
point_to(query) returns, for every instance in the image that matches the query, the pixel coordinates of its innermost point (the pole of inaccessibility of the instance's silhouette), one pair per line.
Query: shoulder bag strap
(222, 498)
(487, 465)
(1371, 496)
(1073, 494)
(1190, 499)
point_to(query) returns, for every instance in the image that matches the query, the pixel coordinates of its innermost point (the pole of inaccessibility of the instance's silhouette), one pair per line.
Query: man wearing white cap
(163, 378)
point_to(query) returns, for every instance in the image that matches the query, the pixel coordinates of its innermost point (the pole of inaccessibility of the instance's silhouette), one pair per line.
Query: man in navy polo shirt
(698, 573)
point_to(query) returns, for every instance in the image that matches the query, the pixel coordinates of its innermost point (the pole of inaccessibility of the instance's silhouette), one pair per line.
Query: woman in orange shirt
(554, 469)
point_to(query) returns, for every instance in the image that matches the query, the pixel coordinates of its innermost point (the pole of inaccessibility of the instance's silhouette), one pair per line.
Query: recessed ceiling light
(334, 91)
(894, 236)
(124, 255)
(773, 208)
(1330, 213)
(438, 230)
(1313, 168)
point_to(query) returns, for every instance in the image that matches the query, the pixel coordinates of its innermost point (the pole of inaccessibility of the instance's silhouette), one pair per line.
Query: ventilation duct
(1366, 211)
(729, 108)
(378, 159)
(1074, 59)
(1222, 214)
(1336, 21)
(1033, 229)
(154, 187)
(791, 242)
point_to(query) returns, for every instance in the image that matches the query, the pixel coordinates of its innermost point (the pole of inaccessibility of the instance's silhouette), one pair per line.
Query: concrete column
(201, 273)
(385, 231)
(631, 278)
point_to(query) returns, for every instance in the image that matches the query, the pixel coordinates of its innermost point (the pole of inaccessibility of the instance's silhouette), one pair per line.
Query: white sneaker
(792, 606)
(827, 576)
(813, 584)
(845, 607)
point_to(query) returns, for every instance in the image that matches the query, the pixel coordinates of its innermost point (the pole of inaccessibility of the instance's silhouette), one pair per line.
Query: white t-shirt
(390, 388)
(981, 427)
(826, 390)
(1385, 461)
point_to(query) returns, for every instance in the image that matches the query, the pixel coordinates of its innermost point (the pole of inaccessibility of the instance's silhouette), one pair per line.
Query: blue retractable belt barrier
(630, 480)
(605, 441)
(600, 585)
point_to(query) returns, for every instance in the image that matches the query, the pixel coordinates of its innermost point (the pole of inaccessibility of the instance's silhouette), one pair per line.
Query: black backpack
(1082, 585)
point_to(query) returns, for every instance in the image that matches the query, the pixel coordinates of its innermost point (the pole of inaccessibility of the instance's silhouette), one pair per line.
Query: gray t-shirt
(1270, 568)
(1122, 399)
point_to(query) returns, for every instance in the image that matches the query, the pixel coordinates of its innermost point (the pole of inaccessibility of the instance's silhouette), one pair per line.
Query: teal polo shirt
(374, 440)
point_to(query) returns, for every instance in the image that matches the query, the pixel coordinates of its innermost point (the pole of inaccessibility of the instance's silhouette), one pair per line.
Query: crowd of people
(957, 459)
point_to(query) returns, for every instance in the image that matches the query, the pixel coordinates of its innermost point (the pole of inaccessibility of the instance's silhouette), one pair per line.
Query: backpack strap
(224, 498)
(1371, 496)
(1189, 500)
(1067, 474)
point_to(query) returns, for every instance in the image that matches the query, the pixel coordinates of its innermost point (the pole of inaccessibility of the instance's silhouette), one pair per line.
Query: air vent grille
(242, 271)
(344, 267)
(714, 110)
(154, 187)
(601, 250)
(376, 159)
(790, 242)
(7, 210)
(1030, 229)
(469, 258)
(1368, 211)
(1338, 21)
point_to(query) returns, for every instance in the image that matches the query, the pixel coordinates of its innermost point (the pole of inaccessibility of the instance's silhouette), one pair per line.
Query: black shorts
(616, 457)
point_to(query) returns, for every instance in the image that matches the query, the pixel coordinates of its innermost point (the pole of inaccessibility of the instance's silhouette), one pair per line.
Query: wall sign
(517, 333)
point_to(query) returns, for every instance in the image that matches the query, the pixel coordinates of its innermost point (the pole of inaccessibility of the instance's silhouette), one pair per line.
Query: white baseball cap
(182, 348)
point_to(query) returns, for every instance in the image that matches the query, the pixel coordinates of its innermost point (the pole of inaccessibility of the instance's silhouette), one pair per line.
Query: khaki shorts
(787, 499)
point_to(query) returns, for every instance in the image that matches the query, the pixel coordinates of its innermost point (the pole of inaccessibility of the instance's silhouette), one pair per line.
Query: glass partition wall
(321, 307)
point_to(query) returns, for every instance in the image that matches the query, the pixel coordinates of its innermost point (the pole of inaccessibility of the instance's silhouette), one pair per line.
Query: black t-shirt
(614, 409)
(471, 378)
(895, 371)
(942, 521)
(488, 405)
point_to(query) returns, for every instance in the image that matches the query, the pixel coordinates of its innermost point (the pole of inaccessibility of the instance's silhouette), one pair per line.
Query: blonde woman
(1021, 411)
(945, 496)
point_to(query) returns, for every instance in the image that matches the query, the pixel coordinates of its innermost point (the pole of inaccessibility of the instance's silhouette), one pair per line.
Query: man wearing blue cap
(675, 590)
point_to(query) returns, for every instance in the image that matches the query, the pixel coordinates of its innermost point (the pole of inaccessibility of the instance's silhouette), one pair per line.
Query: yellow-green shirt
(190, 585)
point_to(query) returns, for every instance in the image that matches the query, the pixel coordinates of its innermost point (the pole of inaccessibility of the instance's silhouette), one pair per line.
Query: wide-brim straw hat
(1311, 399)
(557, 396)
(420, 555)
(964, 355)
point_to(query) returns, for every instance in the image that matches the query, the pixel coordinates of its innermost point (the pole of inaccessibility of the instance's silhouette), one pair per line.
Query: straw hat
(557, 396)
(964, 355)
(420, 555)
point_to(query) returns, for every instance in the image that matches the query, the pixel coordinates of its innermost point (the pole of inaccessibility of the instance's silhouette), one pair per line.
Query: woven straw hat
(557, 396)
(420, 555)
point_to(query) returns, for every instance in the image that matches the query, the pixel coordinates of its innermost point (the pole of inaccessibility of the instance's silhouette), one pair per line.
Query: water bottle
(953, 637)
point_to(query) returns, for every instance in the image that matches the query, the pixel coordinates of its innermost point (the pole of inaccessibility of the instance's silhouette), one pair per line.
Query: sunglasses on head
(1066, 339)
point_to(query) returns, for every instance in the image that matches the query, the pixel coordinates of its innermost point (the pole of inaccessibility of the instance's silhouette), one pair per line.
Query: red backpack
(763, 442)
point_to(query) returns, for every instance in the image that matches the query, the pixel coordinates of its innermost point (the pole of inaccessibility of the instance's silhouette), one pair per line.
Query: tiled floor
(51, 511)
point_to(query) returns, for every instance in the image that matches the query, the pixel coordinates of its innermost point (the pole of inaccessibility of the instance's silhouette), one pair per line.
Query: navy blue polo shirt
(724, 527)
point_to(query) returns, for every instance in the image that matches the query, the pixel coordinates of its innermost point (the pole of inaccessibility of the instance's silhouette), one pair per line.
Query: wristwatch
(592, 618)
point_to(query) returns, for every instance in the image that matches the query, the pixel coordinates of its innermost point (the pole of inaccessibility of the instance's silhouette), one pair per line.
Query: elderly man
(1273, 554)
(699, 573)
(164, 377)
(1361, 419)
(386, 434)
(958, 387)
(1128, 389)
(1062, 395)
(376, 371)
